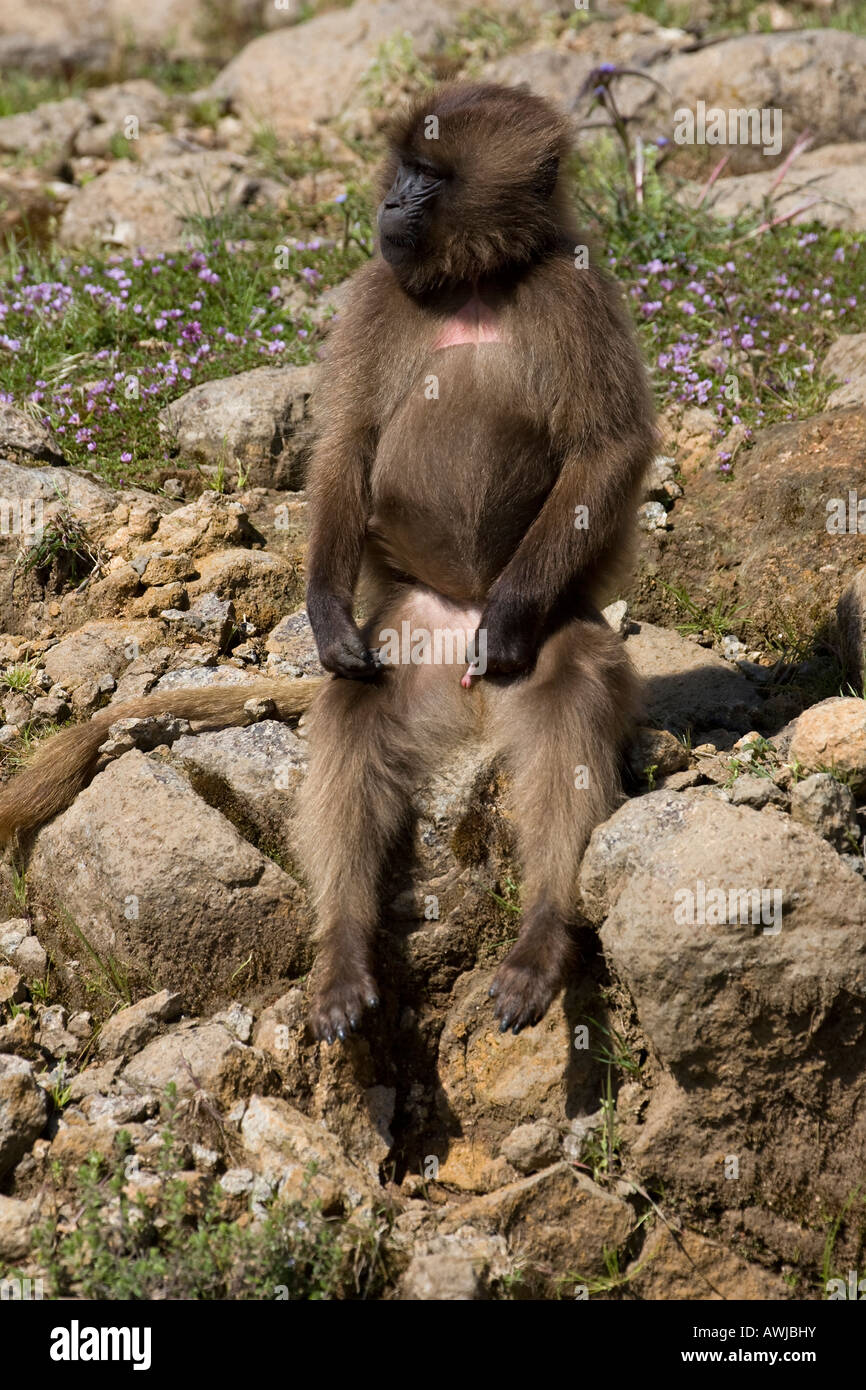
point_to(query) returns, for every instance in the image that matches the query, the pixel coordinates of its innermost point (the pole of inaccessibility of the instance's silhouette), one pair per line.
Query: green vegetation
(170, 1238)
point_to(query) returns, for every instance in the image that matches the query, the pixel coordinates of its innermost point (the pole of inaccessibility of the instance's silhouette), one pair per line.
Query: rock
(252, 775)
(827, 807)
(211, 617)
(256, 423)
(185, 865)
(147, 732)
(261, 585)
(195, 677)
(724, 1006)
(21, 434)
(201, 1057)
(783, 562)
(686, 686)
(846, 361)
(12, 933)
(165, 569)
(661, 484)
(831, 176)
(153, 206)
(492, 1082)
(285, 1143)
(35, 496)
(616, 616)
(652, 516)
(60, 38)
(23, 1110)
(832, 736)
(455, 1267)
(292, 641)
(111, 111)
(17, 709)
(17, 1221)
(18, 1035)
(50, 709)
(45, 133)
(683, 1265)
(632, 41)
(12, 987)
(25, 952)
(53, 1034)
(811, 75)
(236, 1182)
(530, 1147)
(238, 1020)
(209, 523)
(751, 790)
(128, 1031)
(656, 749)
(556, 1221)
(294, 76)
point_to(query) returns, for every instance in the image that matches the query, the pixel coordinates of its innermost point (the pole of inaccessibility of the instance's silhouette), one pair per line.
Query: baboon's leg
(371, 744)
(560, 731)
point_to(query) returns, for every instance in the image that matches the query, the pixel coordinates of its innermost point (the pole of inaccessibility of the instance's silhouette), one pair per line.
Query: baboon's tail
(65, 763)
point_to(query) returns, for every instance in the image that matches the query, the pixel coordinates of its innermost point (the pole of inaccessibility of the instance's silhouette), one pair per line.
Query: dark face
(406, 212)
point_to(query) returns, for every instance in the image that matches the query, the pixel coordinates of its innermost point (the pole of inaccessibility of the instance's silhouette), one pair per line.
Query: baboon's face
(406, 212)
(468, 184)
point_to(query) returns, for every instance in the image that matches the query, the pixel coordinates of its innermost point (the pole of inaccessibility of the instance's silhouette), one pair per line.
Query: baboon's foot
(531, 974)
(339, 1004)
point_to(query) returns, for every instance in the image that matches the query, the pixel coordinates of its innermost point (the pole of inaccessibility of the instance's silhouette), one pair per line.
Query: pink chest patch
(475, 323)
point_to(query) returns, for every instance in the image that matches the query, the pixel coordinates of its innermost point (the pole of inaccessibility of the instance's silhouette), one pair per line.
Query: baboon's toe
(339, 1005)
(523, 993)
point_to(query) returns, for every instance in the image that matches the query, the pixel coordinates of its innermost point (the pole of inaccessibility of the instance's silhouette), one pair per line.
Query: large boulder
(741, 938)
(810, 77)
(688, 687)
(180, 897)
(783, 564)
(292, 77)
(23, 1110)
(824, 185)
(155, 206)
(250, 774)
(257, 421)
(846, 361)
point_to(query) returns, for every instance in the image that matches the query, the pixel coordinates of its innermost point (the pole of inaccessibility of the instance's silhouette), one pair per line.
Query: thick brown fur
(454, 510)
(460, 511)
(66, 762)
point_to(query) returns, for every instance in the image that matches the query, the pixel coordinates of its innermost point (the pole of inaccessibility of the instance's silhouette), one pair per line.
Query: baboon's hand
(512, 636)
(342, 649)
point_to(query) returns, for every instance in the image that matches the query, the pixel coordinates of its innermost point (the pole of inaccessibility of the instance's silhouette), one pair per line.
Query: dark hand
(513, 637)
(341, 647)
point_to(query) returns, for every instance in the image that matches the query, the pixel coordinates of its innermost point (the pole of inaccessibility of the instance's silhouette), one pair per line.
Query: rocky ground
(183, 194)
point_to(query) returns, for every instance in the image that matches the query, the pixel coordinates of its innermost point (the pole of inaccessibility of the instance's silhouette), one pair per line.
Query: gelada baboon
(485, 426)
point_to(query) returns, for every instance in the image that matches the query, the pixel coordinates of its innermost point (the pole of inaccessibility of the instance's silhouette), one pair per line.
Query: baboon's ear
(545, 179)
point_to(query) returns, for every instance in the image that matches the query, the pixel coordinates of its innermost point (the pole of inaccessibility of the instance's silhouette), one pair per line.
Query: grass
(735, 15)
(168, 1242)
(98, 345)
(730, 322)
(719, 620)
(18, 677)
(62, 550)
(834, 1226)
